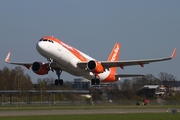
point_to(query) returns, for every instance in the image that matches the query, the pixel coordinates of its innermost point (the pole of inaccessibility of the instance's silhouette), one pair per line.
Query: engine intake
(39, 68)
(95, 67)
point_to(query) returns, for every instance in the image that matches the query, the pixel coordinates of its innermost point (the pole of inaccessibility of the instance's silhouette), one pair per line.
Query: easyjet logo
(115, 53)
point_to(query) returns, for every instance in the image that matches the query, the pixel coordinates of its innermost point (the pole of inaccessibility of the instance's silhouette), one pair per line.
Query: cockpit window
(41, 39)
(46, 40)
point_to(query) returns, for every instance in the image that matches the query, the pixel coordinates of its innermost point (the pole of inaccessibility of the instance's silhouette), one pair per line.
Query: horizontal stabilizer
(128, 75)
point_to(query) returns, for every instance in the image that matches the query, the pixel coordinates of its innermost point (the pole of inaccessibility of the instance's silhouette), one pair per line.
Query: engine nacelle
(95, 67)
(39, 68)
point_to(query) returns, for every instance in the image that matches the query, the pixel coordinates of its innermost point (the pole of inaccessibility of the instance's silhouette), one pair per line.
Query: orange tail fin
(114, 55)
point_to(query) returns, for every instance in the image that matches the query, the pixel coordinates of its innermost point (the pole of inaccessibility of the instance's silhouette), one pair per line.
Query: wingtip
(8, 57)
(173, 54)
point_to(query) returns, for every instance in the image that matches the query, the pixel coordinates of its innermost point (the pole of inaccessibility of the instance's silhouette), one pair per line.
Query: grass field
(139, 116)
(121, 116)
(70, 107)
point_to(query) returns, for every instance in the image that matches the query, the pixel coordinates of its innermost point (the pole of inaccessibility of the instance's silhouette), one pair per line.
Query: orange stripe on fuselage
(71, 49)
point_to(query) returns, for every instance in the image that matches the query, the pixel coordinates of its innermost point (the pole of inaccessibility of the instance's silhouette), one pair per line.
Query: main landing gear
(95, 81)
(58, 73)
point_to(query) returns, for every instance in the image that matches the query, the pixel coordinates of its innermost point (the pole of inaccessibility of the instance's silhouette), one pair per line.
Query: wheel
(61, 82)
(56, 82)
(97, 81)
(93, 81)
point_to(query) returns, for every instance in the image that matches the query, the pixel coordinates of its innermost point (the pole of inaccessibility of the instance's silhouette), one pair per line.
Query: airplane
(63, 57)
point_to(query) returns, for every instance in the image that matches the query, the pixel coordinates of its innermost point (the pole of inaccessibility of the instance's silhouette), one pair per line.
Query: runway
(82, 111)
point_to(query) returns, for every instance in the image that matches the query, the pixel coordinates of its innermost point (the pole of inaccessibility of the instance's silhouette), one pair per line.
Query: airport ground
(122, 116)
(96, 111)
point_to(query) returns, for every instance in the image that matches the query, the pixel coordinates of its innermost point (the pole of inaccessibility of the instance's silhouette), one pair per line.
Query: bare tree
(163, 76)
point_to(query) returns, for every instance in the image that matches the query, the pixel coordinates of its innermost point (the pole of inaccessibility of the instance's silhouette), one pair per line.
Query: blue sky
(145, 29)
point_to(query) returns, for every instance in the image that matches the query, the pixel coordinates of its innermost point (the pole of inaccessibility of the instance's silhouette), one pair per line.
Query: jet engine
(95, 67)
(39, 68)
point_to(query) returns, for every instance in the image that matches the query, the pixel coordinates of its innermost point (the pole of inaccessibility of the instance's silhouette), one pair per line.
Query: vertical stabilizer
(114, 55)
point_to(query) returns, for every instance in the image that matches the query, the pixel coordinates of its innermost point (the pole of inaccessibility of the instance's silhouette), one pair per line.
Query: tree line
(168, 80)
(16, 79)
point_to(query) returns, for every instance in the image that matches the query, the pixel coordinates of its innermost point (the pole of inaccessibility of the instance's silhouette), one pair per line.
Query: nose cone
(40, 47)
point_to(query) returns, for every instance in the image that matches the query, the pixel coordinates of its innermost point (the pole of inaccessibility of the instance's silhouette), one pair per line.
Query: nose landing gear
(58, 72)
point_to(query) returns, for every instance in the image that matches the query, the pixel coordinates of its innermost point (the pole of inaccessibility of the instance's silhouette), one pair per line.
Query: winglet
(173, 54)
(8, 57)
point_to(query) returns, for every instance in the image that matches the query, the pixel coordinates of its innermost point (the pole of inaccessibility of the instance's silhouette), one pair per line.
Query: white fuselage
(66, 60)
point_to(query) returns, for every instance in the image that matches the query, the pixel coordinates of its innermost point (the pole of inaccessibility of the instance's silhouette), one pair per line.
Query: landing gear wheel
(58, 73)
(93, 81)
(97, 81)
(56, 82)
(61, 82)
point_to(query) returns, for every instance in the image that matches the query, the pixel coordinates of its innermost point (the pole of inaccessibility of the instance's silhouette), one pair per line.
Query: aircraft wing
(122, 64)
(27, 65)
